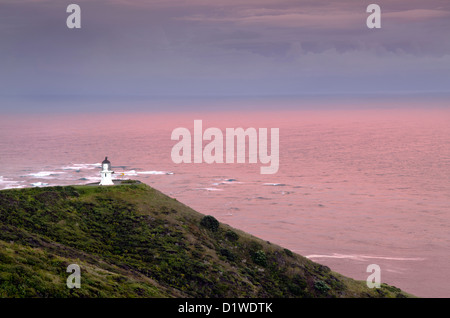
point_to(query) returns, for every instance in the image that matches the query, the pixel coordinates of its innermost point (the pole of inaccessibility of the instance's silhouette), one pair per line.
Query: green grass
(133, 241)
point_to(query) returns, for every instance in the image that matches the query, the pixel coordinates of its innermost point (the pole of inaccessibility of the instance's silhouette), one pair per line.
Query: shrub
(297, 285)
(229, 255)
(288, 252)
(129, 182)
(323, 269)
(210, 223)
(260, 258)
(231, 236)
(70, 191)
(321, 287)
(392, 289)
(164, 210)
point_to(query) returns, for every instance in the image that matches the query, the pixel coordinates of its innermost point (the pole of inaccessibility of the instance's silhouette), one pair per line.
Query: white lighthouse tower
(106, 173)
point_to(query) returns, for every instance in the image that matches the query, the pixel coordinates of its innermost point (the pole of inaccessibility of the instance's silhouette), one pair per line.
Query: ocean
(354, 187)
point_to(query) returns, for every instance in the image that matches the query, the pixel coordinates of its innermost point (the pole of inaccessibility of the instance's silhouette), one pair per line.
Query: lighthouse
(106, 173)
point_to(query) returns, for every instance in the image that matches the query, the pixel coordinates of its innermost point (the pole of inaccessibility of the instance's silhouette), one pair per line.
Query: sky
(136, 50)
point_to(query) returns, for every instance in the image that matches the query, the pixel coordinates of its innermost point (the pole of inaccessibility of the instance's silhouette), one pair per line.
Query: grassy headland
(131, 240)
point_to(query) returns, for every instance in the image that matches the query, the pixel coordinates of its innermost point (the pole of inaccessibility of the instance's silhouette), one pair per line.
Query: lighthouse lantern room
(106, 173)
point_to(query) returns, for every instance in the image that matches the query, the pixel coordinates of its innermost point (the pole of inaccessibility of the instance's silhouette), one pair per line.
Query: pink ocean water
(354, 187)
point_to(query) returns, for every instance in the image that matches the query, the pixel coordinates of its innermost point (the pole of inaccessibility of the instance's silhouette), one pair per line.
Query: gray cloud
(222, 48)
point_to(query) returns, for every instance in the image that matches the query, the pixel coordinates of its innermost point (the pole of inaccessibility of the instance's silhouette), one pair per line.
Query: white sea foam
(70, 168)
(228, 181)
(43, 174)
(364, 257)
(127, 173)
(7, 183)
(210, 189)
(275, 184)
(136, 173)
(154, 172)
(39, 184)
(13, 186)
(79, 166)
(2, 180)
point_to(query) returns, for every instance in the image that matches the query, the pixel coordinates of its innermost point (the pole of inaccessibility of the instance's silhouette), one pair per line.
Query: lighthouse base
(106, 178)
(104, 183)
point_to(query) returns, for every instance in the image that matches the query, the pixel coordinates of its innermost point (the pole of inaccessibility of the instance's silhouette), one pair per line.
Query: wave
(282, 192)
(226, 181)
(275, 184)
(39, 184)
(7, 183)
(3, 180)
(90, 179)
(154, 172)
(364, 257)
(13, 186)
(210, 189)
(136, 173)
(43, 174)
(79, 166)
